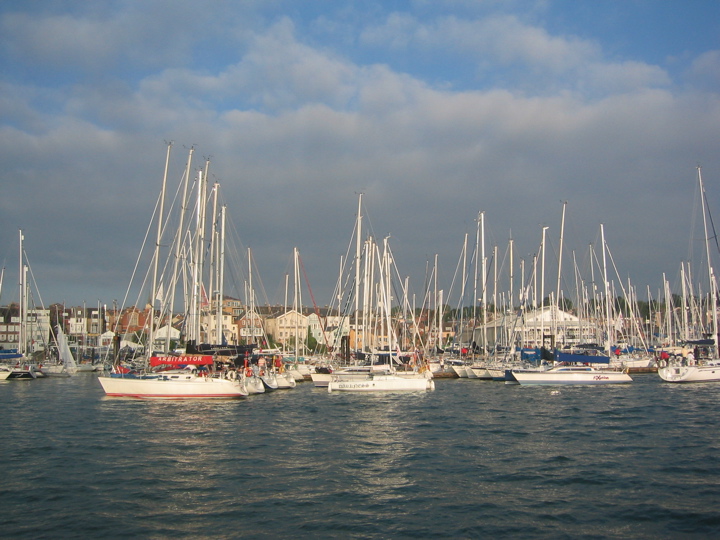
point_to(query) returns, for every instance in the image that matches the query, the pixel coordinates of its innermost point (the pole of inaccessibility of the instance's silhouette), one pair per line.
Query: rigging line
(312, 297)
(712, 225)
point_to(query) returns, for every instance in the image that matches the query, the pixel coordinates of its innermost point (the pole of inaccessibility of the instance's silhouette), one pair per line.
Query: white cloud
(540, 62)
(705, 70)
(295, 130)
(501, 39)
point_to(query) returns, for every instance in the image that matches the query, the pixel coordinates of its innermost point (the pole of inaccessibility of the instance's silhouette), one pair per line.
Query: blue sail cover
(581, 358)
(530, 355)
(10, 354)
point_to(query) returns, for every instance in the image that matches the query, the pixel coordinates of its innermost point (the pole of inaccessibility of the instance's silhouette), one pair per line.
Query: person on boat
(690, 358)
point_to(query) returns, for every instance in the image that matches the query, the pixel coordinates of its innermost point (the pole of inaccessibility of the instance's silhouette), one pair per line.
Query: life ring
(249, 372)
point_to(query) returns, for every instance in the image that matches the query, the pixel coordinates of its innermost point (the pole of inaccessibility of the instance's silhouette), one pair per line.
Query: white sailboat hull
(270, 381)
(54, 370)
(479, 373)
(296, 374)
(86, 368)
(25, 373)
(496, 374)
(254, 385)
(381, 383)
(182, 386)
(570, 377)
(470, 372)
(322, 379)
(285, 380)
(359, 373)
(688, 374)
(460, 371)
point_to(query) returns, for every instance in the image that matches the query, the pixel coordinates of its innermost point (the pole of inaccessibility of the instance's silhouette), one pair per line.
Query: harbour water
(470, 460)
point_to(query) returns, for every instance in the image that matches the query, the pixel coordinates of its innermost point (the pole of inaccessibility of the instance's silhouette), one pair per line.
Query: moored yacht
(382, 382)
(570, 374)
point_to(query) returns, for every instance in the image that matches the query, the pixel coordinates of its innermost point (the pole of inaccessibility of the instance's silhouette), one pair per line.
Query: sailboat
(703, 367)
(188, 375)
(386, 378)
(66, 365)
(20, 366)
(184, 377)
(572, 369)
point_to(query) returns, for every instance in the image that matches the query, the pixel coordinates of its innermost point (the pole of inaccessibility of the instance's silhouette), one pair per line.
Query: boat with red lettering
(563, 375)
(579, 367)
(175, 377)
(570, 374)
(203, 370)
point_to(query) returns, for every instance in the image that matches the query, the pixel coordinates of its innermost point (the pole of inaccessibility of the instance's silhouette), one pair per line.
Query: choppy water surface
(472, 459)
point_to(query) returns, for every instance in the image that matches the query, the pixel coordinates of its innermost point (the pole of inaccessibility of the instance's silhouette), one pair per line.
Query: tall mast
(154, 293)
(21, 278)
(438, 322)
(512, 275)
(559, 276)
(607, 292)
(462, 291)
(178, 246)
(358, 243)
(579, 305)
(199, 254)
(251, 299)
(711, 275)
(484, 283)
(495, 291)
(542, 290)
(685, 308)
(213, 267)
(475, 282)
(221, 275)
(296, 307)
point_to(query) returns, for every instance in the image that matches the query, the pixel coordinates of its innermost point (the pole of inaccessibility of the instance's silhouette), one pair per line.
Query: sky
(435, 111)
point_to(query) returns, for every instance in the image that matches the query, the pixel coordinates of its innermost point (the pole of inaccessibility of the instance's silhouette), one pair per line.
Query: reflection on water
(471, 459)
